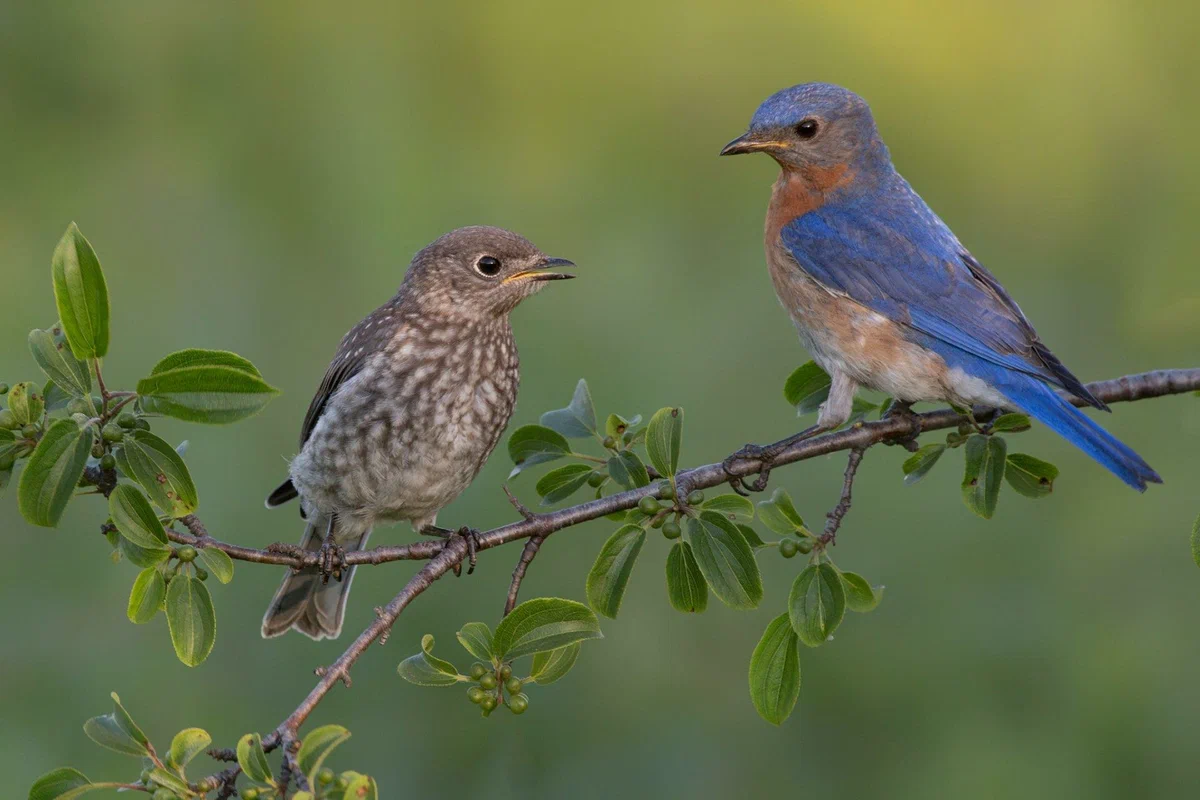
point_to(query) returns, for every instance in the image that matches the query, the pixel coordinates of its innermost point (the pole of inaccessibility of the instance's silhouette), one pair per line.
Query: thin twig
(527, 554)
(833, 520)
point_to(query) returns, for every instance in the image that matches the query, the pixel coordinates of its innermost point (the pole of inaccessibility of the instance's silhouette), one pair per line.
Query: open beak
(539, 273)
(747, 143)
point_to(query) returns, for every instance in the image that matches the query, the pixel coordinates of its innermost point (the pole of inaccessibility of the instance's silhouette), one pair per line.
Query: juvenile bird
(411, 407)
(883, 294)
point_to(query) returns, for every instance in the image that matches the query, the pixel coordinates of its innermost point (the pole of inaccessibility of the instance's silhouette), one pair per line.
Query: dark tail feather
(1048, 407)
(303, 602)
(285, 492)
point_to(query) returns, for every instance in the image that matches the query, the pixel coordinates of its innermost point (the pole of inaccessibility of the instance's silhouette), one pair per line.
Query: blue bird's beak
(749, 143)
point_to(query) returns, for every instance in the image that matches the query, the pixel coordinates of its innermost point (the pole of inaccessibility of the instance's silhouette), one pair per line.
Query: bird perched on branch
(883, 294)
(415, 400)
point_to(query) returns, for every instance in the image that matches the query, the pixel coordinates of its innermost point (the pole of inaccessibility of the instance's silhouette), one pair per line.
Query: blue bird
(885, 296)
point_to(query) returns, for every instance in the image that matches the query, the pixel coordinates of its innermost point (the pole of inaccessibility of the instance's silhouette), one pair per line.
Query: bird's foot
(332, 560)
(751, 452)
(901, 410)
(471, 535)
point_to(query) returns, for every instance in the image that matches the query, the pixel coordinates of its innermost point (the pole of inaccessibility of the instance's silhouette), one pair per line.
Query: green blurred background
(256, 177)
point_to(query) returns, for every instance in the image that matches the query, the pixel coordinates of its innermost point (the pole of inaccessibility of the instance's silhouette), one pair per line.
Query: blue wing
(891, 253)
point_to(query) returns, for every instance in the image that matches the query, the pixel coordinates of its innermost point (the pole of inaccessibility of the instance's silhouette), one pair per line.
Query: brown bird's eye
(488, 266)
(807, 129)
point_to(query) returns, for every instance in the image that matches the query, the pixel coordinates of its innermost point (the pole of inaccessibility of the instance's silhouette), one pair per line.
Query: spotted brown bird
(411, 407)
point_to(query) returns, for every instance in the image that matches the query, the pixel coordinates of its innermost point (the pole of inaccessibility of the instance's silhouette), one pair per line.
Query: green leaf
(253, 759)
(187, 744)
(775, 671)
(609, 576)
(80, 294)
(204, 358)
(316, 747)
(54, 397)
(362, 787)
(686, 588)
(576, 421)
(159, 470)
(752, 538)
(628, 470)
(1030, 476)
(209, 393)
(984, 474)
(191, 619)
(817, 603)
(216, 561)
(53, 471)
(25, 403)
(860, 595)
(560, 483)
(544, 623)
(779, 515)
(919, 464)
(64, 783)
(426, 669)
(535, 444)
(146, 598)
(616, 425)
(731, 506)
(1011, 423)
(550, 665)
(476, 638)
(807, 387)
(663, 437)
(61, 366)
(176, 784)
(137, 522)
(1196, 541)
(117, 731)
(725, 559)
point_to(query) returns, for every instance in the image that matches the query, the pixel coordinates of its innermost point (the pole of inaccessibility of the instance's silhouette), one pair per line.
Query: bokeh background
(256, 176)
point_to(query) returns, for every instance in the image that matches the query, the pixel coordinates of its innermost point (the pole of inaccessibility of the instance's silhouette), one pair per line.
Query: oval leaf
(1011, 423)
(136, 521)
(779, 515)
(476, 638)
(752, 538)
(775, 671)
(817, 603)
(919, 464)
(426, 669)
(146, 598)
(25, 403)
(609, 576)
(170, 780)
(559, 484)
(686, 588)
(64, 783)
(216, 561)
(544, 623)
(535, 444)
(664, 435)
(253, 759)
(159, 470)
(806, 388)
(117, 731)
(80, 294)
(628, 470)
(1030, 476)
(211, 393)
(984, 473)
(576, 421)
(53, 471)
(550, 665)
(316, 746)
(188, 744)
(860, 595)
(726, 560)
(732, 506)
(204, 358)
(61, 366)
(191, 619)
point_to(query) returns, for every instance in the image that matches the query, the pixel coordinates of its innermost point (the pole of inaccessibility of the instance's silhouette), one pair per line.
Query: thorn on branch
(521, 508)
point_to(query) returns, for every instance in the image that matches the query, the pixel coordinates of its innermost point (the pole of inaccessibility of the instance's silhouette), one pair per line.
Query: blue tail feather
(1048, 407)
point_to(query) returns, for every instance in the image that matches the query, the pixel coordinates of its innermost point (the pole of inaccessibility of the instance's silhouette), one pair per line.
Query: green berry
(325, 776)
(671, 530)
(3, 389)
(29, 431)
(595, 479)
(127, 420)
(7, 421)
(513, 686)
(108, 461)
(658, 521)
(609, 442)
(247, 794)
(478, 670)
(476, 695)
(112, 433)
(518, 704)
(201, 573)
(186, 554)
(505, 672)
(488, 703)
(7, 460)
(648, 505)
(628, 437)
(341, 785)
(98, 450)
(695, 497)
(666, 491)
(488, 682)
(788, 548)
(805, 545)
(141, 424)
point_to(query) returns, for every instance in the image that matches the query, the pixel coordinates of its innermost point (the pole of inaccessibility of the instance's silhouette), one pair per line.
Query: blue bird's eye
(807, 129)
(488, 266)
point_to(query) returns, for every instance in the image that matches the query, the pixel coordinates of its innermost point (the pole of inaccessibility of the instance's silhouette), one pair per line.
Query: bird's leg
(834, 413)
(902, 409)
(333, 557)
(471, 535)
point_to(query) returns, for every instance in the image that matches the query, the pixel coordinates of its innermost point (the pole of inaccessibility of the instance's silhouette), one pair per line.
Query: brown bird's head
(479, 271)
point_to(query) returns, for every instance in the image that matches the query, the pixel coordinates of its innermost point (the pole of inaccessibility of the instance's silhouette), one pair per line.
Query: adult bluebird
(415, 400)
(885, 296)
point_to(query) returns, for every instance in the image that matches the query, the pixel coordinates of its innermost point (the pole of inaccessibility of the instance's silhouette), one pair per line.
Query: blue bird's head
(812, 125)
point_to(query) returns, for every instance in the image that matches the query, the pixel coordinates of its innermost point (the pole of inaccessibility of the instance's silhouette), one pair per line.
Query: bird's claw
(904, 411)
(472, 538)
(751, 452)
(332, 561)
